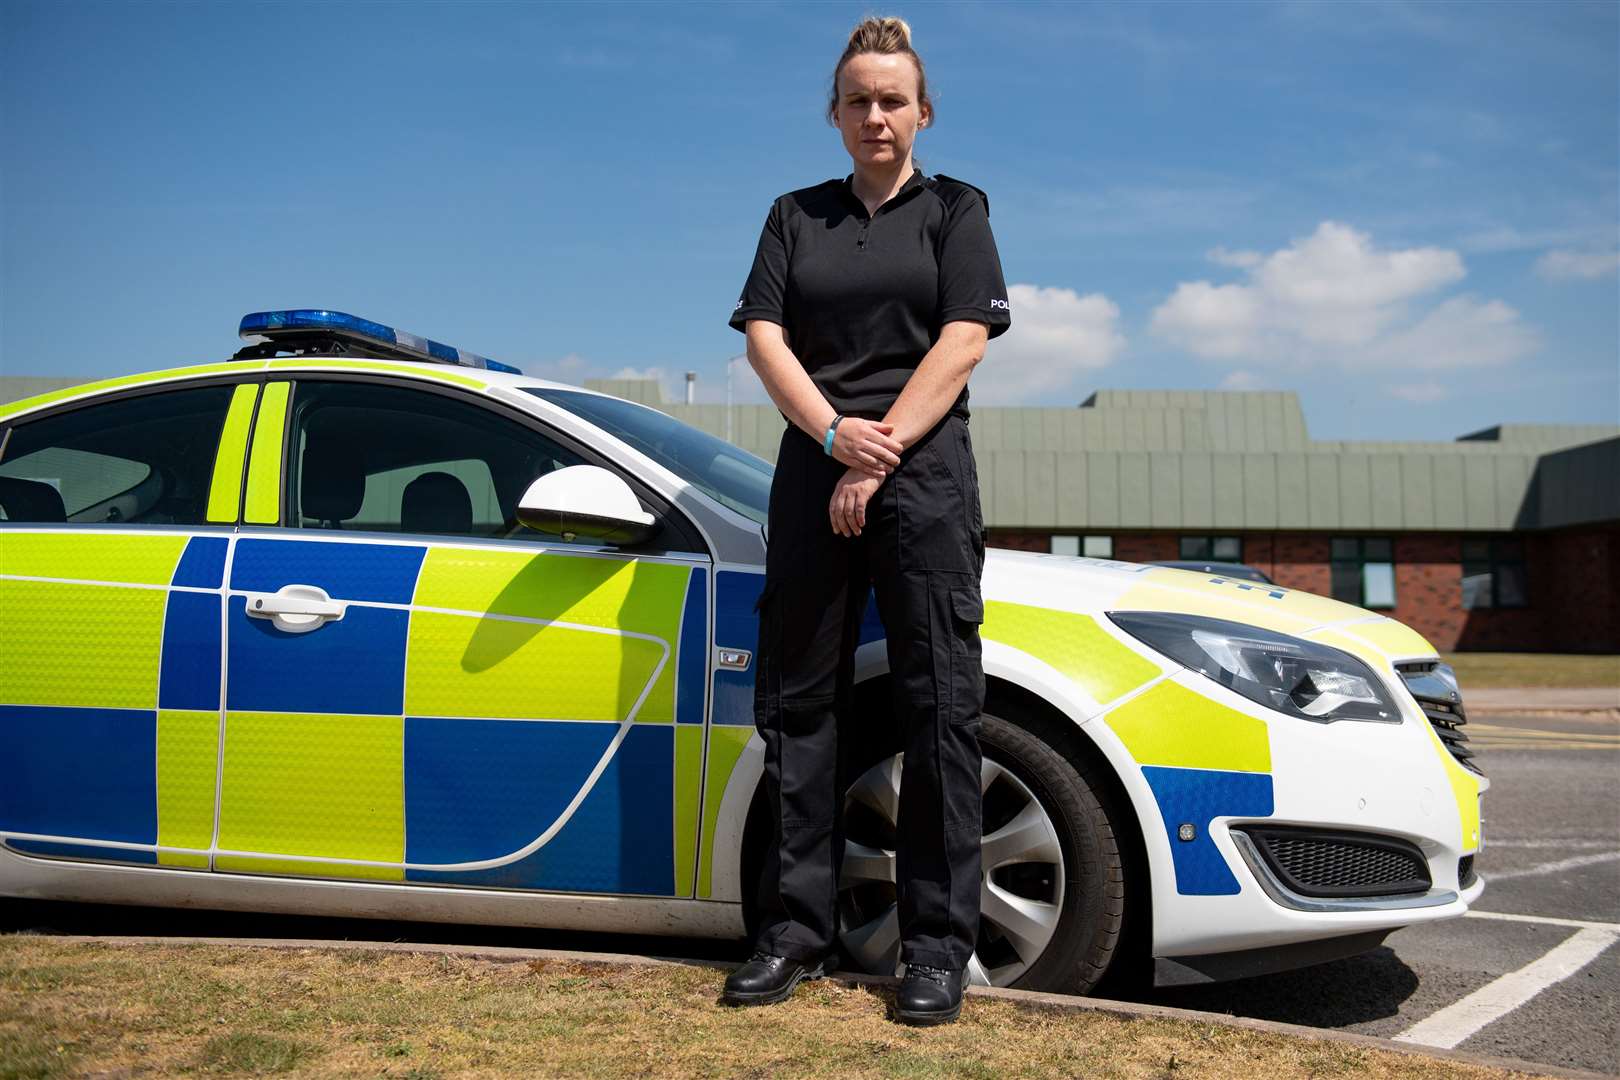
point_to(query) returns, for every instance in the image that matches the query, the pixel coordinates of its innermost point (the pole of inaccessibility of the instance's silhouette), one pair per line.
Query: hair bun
(890, 34)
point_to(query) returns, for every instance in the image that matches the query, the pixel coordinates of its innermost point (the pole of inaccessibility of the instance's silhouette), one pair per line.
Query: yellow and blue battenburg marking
(1201, 759)
(476, 716)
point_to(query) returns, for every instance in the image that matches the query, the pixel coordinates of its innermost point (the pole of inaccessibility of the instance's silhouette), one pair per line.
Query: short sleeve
(763, 293)
(970, 282)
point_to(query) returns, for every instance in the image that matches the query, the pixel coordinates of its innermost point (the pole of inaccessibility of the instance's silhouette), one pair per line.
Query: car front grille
(1434, 687)
(1316, 862)
(1465, 871)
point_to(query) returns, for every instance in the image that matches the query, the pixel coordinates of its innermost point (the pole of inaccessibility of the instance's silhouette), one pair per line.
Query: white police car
(359, 624)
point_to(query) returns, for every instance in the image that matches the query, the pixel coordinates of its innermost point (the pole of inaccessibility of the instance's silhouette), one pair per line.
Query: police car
(360, 624)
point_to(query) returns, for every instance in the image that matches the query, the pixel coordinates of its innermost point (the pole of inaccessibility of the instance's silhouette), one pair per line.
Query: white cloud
(1564, 265)
(1335, 297)
(656, 373)
(1056, 335)
(1243, 380)
(1420, 393)
(1461, 333)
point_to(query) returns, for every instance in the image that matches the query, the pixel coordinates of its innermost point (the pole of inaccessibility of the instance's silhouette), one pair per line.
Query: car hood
(1095, 586)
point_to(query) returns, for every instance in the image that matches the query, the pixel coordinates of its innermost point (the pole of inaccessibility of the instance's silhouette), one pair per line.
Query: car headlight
(1288, 674)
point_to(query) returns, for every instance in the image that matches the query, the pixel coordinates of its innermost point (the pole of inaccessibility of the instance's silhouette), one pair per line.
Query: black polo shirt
(862, 297)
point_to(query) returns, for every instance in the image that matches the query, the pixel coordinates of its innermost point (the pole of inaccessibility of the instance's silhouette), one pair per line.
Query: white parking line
(1574, 863)
(1545, 920)
(1457, 1021)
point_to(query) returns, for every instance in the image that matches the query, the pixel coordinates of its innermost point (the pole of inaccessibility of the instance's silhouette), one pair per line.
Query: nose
(874, 115)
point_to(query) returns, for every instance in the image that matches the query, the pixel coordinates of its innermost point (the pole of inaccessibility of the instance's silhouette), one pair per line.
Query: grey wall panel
(1040, 488)
(1113, 430)
(1322, 472)
(1355, 491)
(1417, 491)
(1195, 428)
(1259, 491)
(1008, 466)
(1513, 473)
(1449, 501)
(1135, 433)
(1293, 491)
(1102, 490)
(1479, 493)
(1165, 479)
(1135, 490)
(1385, 495)
(1070, 471)
(1227, 480)
(1198, 491)
(987, 425)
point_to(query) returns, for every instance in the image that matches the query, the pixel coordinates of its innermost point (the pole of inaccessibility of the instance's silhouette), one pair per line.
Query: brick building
(1505, 539)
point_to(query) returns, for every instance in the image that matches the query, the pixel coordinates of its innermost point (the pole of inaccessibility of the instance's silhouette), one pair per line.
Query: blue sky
(1407, 212)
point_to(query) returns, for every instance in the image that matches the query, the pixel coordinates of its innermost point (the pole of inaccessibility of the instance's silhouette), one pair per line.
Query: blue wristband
(832, 431)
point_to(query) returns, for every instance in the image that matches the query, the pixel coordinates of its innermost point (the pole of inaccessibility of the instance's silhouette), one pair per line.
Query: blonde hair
(887, 36)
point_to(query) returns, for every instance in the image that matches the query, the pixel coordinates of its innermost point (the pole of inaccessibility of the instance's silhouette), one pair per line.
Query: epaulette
(939, 180)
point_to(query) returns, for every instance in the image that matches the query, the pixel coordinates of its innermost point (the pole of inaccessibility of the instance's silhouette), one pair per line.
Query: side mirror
(586, 502)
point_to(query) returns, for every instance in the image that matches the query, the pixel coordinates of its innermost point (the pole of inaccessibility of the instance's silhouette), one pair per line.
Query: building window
(1092, 547)
(1364, 571)
(1493, 574)
(1212, 548)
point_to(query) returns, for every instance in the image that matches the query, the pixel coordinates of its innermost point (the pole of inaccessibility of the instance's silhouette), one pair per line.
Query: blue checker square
(354, 665)
(88, 773)
(189, 673)
(202, 566)
(1197, 797)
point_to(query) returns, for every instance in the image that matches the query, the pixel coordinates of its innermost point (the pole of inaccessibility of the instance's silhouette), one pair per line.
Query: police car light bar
(305, 326)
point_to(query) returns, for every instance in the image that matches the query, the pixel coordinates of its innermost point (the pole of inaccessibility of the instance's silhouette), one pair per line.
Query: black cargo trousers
(922, 551)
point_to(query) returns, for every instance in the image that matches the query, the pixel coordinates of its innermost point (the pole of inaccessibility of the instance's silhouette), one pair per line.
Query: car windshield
(730, 476)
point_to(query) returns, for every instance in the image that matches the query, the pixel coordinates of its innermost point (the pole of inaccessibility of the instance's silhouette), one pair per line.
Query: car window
(729, 475)
(376, 458)
(146, 460)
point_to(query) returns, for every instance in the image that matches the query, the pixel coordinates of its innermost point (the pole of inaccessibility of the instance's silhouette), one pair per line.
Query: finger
(879, 452)
(891, 444)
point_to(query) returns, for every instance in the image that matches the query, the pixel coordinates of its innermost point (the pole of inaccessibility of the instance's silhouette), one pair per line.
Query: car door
(118, 514)
(419, 689)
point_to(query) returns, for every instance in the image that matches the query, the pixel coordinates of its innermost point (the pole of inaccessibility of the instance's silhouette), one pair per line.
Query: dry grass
(75, 1008)
(1483, 671)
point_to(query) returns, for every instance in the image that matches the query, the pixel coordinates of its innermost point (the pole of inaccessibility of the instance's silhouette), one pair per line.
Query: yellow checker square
(187, 758)
(123, 558)
(84, 645)
(1172, 726)
(459, 665)
(1073, 644)
(304, 784)
(602, 677)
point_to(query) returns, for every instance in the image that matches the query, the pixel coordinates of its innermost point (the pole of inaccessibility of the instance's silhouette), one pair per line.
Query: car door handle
(296, 609)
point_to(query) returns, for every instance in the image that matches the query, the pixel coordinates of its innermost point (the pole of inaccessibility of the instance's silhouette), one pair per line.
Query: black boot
(930, 995)
(767, 979)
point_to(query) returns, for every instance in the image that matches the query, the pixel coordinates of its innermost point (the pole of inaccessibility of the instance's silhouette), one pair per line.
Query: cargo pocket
(767, 696)
(967, 661)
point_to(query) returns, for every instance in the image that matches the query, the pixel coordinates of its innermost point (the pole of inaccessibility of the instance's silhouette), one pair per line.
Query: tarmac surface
(1533, 973)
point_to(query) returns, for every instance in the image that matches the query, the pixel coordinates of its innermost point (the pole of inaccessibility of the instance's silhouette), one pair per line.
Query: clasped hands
(871, 451)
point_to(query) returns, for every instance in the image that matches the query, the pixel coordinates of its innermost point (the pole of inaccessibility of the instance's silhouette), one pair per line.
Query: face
(878, 113)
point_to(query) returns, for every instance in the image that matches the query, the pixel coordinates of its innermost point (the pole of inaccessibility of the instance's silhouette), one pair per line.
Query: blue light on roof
(364, 334)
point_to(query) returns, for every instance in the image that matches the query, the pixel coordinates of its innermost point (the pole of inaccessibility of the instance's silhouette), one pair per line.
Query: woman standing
(869, 304)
